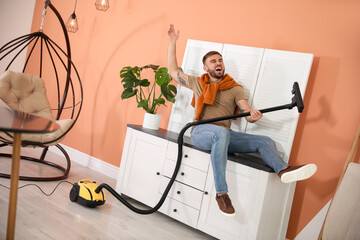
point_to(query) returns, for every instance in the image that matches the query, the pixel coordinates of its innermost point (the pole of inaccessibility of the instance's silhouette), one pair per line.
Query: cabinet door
(141, 167)
(247, 187)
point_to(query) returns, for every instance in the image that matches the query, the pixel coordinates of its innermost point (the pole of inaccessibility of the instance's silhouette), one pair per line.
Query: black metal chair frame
(53, 50)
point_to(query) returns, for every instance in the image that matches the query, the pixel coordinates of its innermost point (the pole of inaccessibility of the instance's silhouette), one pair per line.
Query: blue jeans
(222, 141)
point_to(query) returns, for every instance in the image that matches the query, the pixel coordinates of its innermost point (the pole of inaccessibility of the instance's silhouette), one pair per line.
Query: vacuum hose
(163, 197)
(296, 102)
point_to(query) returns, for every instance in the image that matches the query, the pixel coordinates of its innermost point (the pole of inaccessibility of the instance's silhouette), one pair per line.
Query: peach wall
(133, 32)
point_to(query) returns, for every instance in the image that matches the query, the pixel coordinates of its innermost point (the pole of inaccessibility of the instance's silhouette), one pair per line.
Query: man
(216, 94)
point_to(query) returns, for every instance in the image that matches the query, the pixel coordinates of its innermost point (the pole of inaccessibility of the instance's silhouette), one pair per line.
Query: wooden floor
(56, 217)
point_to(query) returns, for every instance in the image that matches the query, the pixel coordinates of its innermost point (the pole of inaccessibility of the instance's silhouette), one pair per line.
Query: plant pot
(151, 121)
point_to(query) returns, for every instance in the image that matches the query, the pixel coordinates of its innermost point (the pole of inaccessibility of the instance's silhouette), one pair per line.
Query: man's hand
(172, 34)
(254, 116)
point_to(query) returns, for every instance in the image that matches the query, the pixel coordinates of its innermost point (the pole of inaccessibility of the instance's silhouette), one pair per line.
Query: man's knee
(267, 141)
(221, 134)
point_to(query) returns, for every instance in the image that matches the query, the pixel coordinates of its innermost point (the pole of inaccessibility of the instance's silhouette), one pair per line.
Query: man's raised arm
(172, 64)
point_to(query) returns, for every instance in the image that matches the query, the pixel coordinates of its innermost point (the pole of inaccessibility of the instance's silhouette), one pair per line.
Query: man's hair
(209, 54)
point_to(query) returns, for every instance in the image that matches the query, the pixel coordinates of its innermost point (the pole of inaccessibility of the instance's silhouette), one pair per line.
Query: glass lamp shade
(102, 5)
(72, 24)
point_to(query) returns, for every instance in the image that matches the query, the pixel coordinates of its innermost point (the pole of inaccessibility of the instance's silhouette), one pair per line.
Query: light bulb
(72, 24)
(102, 5)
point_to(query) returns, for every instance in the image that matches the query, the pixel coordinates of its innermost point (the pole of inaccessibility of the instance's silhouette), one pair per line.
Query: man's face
(214, 65)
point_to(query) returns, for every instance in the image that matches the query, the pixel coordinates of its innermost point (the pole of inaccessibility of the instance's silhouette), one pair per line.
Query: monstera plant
(147, 96)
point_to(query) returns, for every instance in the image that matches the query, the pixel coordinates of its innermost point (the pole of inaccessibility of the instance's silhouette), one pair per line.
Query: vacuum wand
(296, 101)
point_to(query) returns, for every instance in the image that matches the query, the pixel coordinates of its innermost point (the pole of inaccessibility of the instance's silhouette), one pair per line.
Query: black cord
(32, 184)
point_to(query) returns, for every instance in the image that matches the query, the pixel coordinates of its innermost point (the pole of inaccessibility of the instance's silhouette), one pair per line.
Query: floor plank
(56, 217)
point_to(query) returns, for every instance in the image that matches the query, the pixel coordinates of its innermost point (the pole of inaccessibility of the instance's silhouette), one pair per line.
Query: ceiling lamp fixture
(71, 23)
(102, 5)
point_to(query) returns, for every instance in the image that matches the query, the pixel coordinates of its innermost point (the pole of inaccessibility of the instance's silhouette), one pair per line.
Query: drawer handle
(178, 192)
(175, 210)
(157, 173)
(206, 193)
(185, 156)
(182, 173)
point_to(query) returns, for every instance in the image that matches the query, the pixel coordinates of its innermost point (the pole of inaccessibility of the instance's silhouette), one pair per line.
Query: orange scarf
(210, 90)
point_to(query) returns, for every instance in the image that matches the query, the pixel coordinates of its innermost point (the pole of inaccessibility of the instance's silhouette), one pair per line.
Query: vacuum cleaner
(88, 193)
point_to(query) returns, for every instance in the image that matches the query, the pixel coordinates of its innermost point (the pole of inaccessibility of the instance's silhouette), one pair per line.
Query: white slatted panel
(243, 64)
(279, 70)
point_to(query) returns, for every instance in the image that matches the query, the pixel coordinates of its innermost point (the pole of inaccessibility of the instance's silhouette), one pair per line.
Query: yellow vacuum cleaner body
(84, 193)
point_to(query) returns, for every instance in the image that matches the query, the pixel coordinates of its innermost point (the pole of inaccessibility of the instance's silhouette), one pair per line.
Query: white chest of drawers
(261, 201)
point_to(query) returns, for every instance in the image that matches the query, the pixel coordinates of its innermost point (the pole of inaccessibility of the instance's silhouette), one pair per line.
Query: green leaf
(169, 92)
(127, 93)
(143, 104)
(128, 85)
(153, 67)
(172, 92)
(137, 82)
(159, 101)
(162, 76)
(128, 76)
(136, 71)
(125, 69)
(144, 83)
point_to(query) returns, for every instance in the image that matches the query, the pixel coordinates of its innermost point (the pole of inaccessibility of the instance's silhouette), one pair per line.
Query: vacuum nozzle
(297, 101)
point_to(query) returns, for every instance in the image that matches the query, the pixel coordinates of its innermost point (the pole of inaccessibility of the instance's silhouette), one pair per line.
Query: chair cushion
(26, 93)
(64, 124)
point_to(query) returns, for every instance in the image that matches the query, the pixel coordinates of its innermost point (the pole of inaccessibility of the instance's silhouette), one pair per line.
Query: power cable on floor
(32, 184)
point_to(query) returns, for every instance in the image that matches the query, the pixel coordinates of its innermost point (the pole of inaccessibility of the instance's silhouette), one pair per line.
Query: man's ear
(205, 68)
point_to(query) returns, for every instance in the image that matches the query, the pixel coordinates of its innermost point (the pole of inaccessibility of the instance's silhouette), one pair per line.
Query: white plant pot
(151, 121)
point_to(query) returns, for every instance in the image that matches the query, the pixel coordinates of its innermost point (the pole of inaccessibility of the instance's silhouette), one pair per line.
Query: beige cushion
(343, 219)
(27, 93)
(41, 138)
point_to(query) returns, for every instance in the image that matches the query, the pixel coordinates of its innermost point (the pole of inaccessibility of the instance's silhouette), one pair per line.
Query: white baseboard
(89, 161)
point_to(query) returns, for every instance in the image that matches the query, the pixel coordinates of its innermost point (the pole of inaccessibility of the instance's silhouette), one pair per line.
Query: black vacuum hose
(180, 141)
(296, 102)
(163, 197)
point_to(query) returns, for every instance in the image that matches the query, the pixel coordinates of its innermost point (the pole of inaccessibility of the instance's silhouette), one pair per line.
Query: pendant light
(102, 5)
(71, 23)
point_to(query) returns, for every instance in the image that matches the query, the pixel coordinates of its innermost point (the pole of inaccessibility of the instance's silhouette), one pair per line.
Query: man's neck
(214, 80)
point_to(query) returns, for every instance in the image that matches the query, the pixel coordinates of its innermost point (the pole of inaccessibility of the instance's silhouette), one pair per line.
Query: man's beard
(214, 74)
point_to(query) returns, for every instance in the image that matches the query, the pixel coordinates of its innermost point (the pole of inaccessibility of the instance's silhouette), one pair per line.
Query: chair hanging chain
(47, 2)
(43, 18)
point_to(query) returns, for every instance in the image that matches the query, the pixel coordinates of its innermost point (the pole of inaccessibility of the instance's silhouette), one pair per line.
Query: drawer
(191, 157)
(188, 175)
(183, 193)
(180, 212)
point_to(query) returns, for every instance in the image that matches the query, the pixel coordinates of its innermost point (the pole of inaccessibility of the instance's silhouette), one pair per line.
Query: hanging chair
(47, 66)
